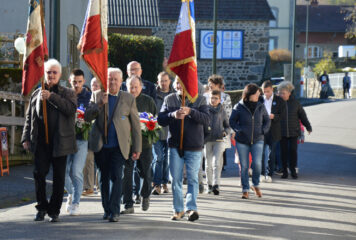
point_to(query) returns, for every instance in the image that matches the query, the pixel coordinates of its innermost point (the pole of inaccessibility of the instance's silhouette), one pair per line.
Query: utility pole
(215, 34)
(293, 42)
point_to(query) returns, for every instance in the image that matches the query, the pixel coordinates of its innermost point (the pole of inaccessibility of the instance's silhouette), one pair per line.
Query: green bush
(10, 79)
(325, 64)
(149, 51)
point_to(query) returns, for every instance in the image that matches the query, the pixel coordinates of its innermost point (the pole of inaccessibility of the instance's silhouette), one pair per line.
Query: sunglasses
(51, 72)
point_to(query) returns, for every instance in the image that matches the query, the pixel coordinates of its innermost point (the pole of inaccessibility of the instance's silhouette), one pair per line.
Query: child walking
(214, 147)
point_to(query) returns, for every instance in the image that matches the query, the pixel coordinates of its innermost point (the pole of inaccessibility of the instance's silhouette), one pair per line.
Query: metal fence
(336, 80)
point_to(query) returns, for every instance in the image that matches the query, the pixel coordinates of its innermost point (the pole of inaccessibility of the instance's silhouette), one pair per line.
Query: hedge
(9, 78)
(149, 51)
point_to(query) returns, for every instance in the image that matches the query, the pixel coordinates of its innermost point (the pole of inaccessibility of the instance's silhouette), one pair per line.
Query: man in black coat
(275, 107)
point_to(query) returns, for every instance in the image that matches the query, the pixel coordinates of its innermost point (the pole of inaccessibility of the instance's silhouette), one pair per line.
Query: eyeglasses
(51, 72)
(135, 69)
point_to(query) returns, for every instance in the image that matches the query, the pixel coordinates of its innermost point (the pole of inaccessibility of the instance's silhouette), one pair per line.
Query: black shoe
(53, 218)
(40, 216)
(294, 175)
(106, 216)
(216, 190)
(145, 204)
(114, 218)
(192, 215)
(285, 175)
(138, 199)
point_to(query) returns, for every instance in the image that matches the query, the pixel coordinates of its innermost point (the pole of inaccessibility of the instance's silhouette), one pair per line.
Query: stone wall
(237, 73)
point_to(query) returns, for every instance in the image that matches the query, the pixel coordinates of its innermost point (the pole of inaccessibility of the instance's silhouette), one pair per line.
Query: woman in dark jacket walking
(250, 121)
(290, 128)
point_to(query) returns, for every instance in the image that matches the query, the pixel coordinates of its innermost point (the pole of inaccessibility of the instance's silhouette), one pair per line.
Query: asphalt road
(321, 204)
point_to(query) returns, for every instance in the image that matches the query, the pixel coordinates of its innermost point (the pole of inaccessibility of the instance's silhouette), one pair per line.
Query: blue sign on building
(229, 44)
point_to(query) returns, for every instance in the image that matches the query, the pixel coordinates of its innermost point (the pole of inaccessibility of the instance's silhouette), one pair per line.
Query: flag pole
(106, 122)
(181, 152)
(44, 111)
(44, 102)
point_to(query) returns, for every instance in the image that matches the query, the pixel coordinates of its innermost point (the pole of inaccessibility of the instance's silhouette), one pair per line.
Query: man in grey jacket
(111, 152)
(61, 108)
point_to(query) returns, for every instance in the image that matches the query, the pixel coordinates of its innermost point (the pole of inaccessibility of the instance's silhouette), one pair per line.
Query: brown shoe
(245, 195)
(177, 216)
(257, 191)
(165, 188)
(156, 190)
(88, 192)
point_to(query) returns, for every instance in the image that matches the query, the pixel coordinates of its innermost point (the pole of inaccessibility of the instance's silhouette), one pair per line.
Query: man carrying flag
(117, 125)
(185, 117)
(50, 139)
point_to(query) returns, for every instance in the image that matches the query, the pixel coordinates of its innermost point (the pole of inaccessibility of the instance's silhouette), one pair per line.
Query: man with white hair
(61, 108)
(123, 135)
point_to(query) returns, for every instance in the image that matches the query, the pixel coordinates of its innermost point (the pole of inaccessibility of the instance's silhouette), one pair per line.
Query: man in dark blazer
(275, 107)
(123, 129)
(61, 108)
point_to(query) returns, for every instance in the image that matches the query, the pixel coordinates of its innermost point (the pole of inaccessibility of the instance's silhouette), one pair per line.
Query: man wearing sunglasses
(61, 108)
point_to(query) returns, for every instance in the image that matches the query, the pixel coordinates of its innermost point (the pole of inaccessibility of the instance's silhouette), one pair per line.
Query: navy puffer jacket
(249, 127)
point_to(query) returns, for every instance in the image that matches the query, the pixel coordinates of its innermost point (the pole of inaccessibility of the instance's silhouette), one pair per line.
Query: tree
(325, 64)
(351, 20)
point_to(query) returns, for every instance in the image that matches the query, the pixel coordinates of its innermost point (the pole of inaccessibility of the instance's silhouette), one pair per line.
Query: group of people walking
(104, 127)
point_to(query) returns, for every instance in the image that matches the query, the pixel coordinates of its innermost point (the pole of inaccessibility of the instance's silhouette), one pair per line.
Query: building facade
(280, 29)
(251, 17)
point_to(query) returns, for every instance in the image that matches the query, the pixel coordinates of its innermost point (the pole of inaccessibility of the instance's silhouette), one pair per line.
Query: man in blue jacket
(195, 116)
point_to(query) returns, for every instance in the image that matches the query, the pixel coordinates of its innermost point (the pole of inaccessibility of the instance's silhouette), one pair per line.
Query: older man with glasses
(61, 108)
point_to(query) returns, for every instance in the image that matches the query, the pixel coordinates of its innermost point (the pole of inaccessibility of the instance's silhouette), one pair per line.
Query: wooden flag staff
(44, 111)
(181, 151)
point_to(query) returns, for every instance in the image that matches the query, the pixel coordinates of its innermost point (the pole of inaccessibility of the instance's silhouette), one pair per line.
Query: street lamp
(313, 3)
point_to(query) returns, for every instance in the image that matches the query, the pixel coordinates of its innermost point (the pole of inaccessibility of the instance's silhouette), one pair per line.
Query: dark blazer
(125, 119)
(278, 109)
(249, 127)
(290, 119)
(64, 140)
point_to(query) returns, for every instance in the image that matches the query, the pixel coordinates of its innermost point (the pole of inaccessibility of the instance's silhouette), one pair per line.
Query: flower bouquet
(81, 126)
(149, 127)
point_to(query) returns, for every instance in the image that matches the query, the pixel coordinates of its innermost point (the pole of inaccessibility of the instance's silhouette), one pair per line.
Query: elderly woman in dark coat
(290, 126)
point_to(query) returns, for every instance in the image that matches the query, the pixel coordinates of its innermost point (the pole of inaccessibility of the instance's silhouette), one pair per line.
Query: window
(314, 52)
(274, 23)
(273, 43)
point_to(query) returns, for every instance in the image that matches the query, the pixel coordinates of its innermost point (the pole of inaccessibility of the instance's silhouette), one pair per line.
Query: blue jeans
(111, 166)
(256, 150)
(74, 171)
(192, 162)
(160, 163)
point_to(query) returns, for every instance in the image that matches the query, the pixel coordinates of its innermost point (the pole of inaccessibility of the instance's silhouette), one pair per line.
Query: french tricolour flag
(93, 43)
(182, 60)
(36, 48)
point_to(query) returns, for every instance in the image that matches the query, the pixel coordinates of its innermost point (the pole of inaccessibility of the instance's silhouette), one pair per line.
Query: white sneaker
(69, 203)
(262, 178)
(268, 179)
(74, 211)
